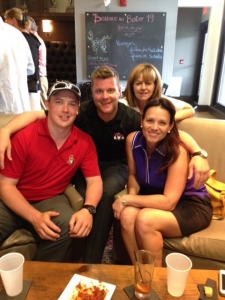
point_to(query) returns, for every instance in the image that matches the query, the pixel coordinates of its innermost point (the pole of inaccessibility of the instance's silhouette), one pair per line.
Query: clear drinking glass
(143, 273)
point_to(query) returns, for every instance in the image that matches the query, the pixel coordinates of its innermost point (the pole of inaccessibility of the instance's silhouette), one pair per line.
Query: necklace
(149, 152)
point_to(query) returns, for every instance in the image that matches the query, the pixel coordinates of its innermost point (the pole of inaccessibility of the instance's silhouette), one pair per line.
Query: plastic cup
(178, 266)
(143, 273)
(11, 269)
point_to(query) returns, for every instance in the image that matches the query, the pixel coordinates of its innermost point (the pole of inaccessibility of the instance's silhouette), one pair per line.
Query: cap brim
(65, 89)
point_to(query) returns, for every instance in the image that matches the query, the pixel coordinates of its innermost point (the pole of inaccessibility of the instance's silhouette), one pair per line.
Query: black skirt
(193, 214)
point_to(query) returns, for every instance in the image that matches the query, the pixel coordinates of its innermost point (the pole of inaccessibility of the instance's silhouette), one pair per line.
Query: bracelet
(124, 200)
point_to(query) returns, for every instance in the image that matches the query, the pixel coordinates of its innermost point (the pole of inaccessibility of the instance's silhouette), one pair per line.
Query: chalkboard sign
(123, 40)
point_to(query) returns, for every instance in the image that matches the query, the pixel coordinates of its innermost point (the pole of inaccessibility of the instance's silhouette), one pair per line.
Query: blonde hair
(150, 73)
(21, 18)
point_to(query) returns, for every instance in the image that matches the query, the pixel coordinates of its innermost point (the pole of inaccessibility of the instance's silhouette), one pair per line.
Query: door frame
(199, 57)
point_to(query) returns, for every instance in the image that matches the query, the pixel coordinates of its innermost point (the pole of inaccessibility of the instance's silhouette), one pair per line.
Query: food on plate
(83, 291)
(208, 291)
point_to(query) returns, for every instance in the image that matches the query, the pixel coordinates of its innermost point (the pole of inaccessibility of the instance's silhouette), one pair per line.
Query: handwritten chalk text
(128, 18)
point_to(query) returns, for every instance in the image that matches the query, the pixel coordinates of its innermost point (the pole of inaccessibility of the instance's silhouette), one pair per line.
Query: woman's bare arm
(132, 184)
(186, 112)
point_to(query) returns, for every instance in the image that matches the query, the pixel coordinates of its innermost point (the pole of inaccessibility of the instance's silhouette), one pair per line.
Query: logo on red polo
(70, 160)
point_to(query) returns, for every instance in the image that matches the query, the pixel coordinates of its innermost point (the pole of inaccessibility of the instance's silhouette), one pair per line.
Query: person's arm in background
(187, 112)
(198, 164)
(183, 109)
(30, 62)
(18, 122)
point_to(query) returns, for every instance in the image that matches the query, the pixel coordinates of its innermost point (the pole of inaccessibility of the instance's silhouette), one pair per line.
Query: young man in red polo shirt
(46, 154)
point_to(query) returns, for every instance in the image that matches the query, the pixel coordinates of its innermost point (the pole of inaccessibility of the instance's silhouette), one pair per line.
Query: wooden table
(50, 279)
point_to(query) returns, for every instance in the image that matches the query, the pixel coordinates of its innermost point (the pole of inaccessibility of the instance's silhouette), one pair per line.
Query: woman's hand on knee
(118, 206)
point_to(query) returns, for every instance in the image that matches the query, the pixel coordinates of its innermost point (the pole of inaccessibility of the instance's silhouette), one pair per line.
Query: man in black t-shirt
(108, 122)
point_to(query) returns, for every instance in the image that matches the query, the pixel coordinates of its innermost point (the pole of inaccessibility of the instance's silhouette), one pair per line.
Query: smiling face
(155, 125)
(106, 93)
(62, 108)
(143, 89)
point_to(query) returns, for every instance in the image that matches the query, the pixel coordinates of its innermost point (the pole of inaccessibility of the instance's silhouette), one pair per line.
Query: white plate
(70, 288)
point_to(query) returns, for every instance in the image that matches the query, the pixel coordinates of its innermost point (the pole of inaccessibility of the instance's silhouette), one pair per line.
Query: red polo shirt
(43, 170)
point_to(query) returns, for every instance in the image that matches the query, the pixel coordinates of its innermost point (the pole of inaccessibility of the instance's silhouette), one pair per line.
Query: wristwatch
(201, 153)
(90, 208)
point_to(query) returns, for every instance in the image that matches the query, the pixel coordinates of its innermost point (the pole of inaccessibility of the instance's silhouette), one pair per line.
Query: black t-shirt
(109, 138)
(34, 45)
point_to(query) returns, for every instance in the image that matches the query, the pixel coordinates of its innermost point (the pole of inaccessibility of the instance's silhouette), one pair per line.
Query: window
(219, 87)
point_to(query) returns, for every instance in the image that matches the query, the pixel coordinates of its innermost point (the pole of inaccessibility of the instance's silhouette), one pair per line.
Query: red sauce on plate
(89, 293)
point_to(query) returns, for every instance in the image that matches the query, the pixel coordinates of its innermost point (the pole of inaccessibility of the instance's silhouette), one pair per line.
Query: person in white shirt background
(144, 83)
(16, 63)
(16, 18)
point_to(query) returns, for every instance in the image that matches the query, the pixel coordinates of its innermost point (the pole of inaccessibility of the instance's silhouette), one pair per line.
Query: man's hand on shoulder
(201, 168)
(80, 223)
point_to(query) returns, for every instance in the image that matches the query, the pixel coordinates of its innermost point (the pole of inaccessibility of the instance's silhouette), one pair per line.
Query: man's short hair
(104, 72)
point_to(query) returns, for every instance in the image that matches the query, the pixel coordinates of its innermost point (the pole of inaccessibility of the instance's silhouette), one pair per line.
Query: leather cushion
(207, 243)
(61, 61)
(18, 237)
(209, 133)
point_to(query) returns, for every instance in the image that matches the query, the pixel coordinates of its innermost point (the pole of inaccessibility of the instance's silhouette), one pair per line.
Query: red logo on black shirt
(118, 136)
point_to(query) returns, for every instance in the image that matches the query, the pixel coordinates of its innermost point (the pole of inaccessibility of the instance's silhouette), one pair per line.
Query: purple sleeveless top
(146, 170)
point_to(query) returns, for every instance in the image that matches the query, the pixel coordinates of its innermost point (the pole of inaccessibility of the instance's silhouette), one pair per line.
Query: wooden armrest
(121, 193)
(75, 199)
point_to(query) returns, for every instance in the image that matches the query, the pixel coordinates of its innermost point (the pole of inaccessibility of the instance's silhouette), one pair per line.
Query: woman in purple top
(161, 201)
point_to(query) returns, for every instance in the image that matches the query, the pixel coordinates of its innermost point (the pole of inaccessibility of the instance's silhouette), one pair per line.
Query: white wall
(186, 47)
(212, 46)
(82, 6)
(195, 3)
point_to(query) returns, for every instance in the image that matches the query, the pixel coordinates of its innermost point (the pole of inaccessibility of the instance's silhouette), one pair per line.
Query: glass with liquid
(143, 273)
